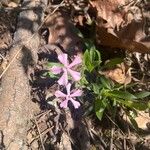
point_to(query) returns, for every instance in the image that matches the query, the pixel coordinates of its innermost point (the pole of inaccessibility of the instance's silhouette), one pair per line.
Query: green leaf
(114, 102)
(100, 106)
(138, 105)
(113, 62)
(96, 88)
(51, 75)
(142, 94)
(92, 59)
(100, 113)
(134, 123)
(121, 94)
(51, 64)
(87, 61)
(134, 104)
(133, 113)
(148, 104)
(105, 82)
(83, 81)
(118, 86)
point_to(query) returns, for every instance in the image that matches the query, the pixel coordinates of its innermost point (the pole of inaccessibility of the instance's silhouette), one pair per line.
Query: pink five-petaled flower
(66, 68)
(71, 95)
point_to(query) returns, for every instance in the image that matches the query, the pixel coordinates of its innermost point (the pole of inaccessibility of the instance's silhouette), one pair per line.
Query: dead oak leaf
(63, 32)
(119, 74)
(123, 28)
(108, 11)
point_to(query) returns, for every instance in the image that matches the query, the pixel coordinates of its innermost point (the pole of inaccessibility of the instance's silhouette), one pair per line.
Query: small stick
(100, 138)
(124, 143)
(39, 134)
(42, 133)
(112, 136)
(2, 57)
(42, 114)
(57, 7)
(115, 124)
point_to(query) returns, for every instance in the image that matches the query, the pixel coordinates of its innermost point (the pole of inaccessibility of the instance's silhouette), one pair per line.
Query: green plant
(108, 95)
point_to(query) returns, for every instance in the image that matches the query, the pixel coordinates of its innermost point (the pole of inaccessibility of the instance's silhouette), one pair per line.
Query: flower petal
(64, 104)
(76, 61)
(76, 93)
(59, 94)
(76, 75)
(68, 88)
(63, 58)
(56, 70)
(63, 79)
(75, 103)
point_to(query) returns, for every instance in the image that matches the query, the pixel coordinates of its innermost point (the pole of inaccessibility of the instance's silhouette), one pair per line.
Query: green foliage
(51, 64)
(113, 62)
(92, 59)
(142, 94)
(108, 95)
(120, 94)
(100, 106)
(51, 75)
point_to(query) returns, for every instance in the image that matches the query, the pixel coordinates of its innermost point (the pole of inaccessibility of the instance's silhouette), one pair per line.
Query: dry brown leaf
(63, 32)
(108, 11)
(143, 119)
(121, 28)
(119, 74)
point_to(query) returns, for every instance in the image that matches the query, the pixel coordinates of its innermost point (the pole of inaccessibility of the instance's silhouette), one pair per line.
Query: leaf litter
(58, 128)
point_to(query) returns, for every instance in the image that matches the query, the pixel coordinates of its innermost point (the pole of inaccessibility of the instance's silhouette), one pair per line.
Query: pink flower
(63, 58)
(71, 95)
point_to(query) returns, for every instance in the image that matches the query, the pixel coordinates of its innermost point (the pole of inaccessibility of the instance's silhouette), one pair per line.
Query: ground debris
(122, 24)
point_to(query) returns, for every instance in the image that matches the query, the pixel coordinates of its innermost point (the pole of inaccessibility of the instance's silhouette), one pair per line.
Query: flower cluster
(67, 70)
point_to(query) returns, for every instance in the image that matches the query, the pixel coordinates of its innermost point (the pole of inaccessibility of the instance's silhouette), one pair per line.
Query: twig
(124, 144)
(10, 63)
(112, 130)
(42, 133)
(2, 57)
(39, 134)
(67, 133)
(111, 140)
(93, 132)
(28, 41)
(42, 114)
(57, 7)
(100, 138)
(115, 124)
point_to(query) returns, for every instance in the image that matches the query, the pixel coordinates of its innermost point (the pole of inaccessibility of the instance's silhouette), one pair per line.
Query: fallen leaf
(118, 74)
(63, 32)
(109, 12)
(142, 120)
(121, 25)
